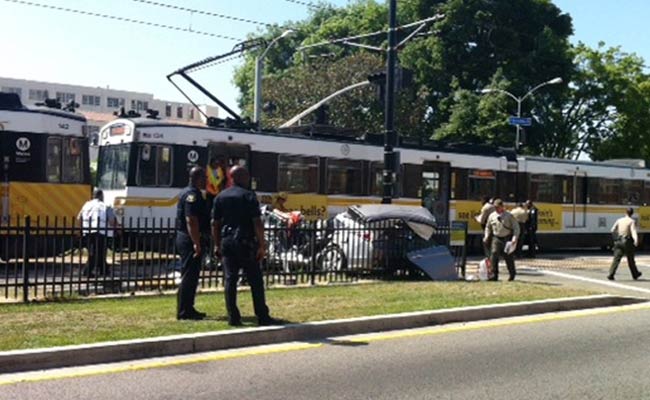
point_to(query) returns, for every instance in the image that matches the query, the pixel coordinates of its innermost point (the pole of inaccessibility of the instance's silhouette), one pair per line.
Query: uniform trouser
(620, 249)
(497, 250)
(231, 265)
(190, 270)
(486, 246)
(96, 243)
(520, 239)
(531, 240)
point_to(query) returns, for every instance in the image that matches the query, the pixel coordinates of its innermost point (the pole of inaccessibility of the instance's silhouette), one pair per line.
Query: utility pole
(390, 136)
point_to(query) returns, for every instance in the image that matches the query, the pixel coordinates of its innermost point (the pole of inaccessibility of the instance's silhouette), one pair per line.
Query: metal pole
(519, 100)
(390, 137)
(258, 90)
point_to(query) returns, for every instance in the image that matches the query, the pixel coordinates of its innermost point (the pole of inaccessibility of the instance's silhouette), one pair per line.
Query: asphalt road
(583, 355)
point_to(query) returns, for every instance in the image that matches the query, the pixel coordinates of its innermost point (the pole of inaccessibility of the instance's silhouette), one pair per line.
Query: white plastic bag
(484, 270)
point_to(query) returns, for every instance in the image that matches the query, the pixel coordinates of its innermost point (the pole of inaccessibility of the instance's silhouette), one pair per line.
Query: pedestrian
(531, 229)
(501, 229)
(238, 235)
(521, 215)
(487, 208)
(96, 220)
(192, 241)
(625, 240)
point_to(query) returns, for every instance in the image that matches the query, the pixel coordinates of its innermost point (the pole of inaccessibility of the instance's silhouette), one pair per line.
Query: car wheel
(332, 258)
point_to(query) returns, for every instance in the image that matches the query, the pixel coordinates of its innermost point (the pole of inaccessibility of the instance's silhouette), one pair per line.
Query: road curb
(68, 356)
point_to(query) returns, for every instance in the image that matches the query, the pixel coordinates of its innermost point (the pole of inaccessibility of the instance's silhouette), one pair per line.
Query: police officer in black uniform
(192, 230)
(238, 235)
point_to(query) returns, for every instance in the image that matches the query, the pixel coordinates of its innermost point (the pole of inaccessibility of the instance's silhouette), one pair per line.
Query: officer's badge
(191, 198)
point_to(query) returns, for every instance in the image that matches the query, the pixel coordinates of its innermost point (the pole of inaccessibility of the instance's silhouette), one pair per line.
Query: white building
(98, 104)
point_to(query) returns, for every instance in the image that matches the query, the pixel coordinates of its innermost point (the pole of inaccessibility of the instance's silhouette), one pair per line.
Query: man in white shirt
(625, 240)
(97, 221)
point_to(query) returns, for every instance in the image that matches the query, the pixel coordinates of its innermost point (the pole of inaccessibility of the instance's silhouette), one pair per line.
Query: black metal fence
(48, 258)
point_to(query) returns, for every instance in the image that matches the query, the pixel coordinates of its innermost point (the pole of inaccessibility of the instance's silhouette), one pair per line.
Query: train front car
(45, 168)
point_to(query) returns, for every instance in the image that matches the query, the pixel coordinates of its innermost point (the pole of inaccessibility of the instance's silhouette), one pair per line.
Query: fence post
(26, 238)
(315, 230)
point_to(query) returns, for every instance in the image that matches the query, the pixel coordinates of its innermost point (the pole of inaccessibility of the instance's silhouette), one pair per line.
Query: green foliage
(512, 45)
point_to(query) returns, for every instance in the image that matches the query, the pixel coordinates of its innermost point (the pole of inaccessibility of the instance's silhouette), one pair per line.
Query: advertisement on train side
(549, 216)
(312, 207)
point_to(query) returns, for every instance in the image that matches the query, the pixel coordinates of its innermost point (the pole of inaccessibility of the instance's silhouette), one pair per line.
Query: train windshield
(112, 169)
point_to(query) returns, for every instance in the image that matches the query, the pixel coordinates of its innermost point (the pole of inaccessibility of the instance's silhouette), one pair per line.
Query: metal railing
(49, 258)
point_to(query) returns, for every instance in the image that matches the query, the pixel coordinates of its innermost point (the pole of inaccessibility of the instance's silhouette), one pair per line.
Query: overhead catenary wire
(122, 19)
(371, 34)
(305, 3)
(212, 64)
(202, 12)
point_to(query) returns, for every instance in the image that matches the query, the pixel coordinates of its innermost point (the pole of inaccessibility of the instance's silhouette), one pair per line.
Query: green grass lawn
(88, 321)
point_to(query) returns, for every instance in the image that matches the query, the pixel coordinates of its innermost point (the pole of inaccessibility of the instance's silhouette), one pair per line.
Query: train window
(377, 179)
(154, 165)
(298, 174)
(113, 167)
(344, 177)
(541, 188)
(507, 184)
(609, 191)
(458, 184)
(646, 193)
(632, 191)
(481, 183)
(73, 155)
(53, 167)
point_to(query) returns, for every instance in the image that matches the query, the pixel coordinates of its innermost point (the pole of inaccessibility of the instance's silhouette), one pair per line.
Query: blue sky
(57, 46)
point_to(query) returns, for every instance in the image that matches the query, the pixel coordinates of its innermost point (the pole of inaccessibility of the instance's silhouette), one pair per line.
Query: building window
(298, 174)
(89, 100)
(65, 98)
(145, 105)
(17, 90)
(38, 95)
(344, 177)
(179, 112)
(168, 110)
(191, 113)
(114, 102)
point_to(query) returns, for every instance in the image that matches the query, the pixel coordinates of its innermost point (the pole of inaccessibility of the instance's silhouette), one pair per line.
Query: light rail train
(143, 164)
(45, 173)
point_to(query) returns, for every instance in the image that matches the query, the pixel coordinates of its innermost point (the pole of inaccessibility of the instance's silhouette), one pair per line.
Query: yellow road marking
(173, 361)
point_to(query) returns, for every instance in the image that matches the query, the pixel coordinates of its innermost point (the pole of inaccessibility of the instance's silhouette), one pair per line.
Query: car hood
(419, 219)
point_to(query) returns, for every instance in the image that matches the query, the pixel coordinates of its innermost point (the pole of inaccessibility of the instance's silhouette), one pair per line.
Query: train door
(579, 199)
(232, 153)
(435, 189)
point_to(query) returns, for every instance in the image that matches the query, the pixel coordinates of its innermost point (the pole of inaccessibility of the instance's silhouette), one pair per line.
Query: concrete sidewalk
(67, 356)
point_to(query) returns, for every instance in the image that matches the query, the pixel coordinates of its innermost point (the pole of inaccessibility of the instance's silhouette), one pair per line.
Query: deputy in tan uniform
(501, 228)
(625, 240)
(486, 210)
(521, 215)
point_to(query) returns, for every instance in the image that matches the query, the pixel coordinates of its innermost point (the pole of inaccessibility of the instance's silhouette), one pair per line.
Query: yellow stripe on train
(47, 201)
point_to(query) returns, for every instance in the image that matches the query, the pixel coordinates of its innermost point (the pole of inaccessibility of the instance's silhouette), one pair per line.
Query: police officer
(192, 221)
(238, 235)
(501, 228)
(626, 238)
(521, 215)
(531, 229)
(487, 209)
